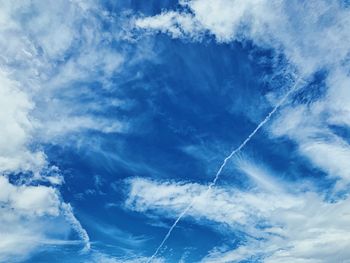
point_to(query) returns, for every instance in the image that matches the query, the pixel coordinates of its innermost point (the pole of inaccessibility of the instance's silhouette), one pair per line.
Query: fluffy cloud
(16, 129)
(29, 200)
(29, 216)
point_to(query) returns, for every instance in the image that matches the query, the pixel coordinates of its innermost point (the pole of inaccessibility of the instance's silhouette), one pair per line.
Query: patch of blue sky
(181, 101)
(194, 95)
(169, 110)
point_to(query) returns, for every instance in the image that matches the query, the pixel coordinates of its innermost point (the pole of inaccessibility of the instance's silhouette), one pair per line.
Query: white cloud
(220, 18)
(31, 217)
(39, 51)
(16, 129)
(232, 207)
(51, 49)
(30, 200)
(75, 224)
(260, 175)
(298, 29)
(316, 141)
(300, 227)
(46, 49)
(173, 23)
(332, 157)
(102, 258)
(337, 99)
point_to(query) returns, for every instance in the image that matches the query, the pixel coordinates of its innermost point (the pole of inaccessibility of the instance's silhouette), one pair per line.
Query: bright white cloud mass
(114, 93)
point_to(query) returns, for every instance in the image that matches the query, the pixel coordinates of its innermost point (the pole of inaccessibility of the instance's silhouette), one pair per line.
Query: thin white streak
(239, 148)
(69, 215)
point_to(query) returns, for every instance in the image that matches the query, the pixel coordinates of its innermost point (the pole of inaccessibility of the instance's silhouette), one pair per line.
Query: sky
(174, 131)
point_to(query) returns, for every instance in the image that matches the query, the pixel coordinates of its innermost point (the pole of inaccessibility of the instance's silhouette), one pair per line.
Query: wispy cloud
(311, 36)
(298, 225)
(55, 58)
(103, 258)
(228, 158)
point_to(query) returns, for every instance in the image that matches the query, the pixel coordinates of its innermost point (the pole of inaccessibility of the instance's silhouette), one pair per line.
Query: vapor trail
(240, 147)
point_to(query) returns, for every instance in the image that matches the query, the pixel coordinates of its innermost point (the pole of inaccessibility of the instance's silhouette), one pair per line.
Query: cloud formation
(312, 38)
(281, 224)
(28, 218)
(55, 56)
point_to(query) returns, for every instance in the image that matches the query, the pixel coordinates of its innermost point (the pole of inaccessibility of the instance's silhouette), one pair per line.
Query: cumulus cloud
(31, 217)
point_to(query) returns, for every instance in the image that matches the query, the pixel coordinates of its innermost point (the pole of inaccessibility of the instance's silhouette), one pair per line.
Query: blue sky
(117, 115)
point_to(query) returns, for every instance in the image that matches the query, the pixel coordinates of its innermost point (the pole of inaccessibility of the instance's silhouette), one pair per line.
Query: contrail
(240, 147)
